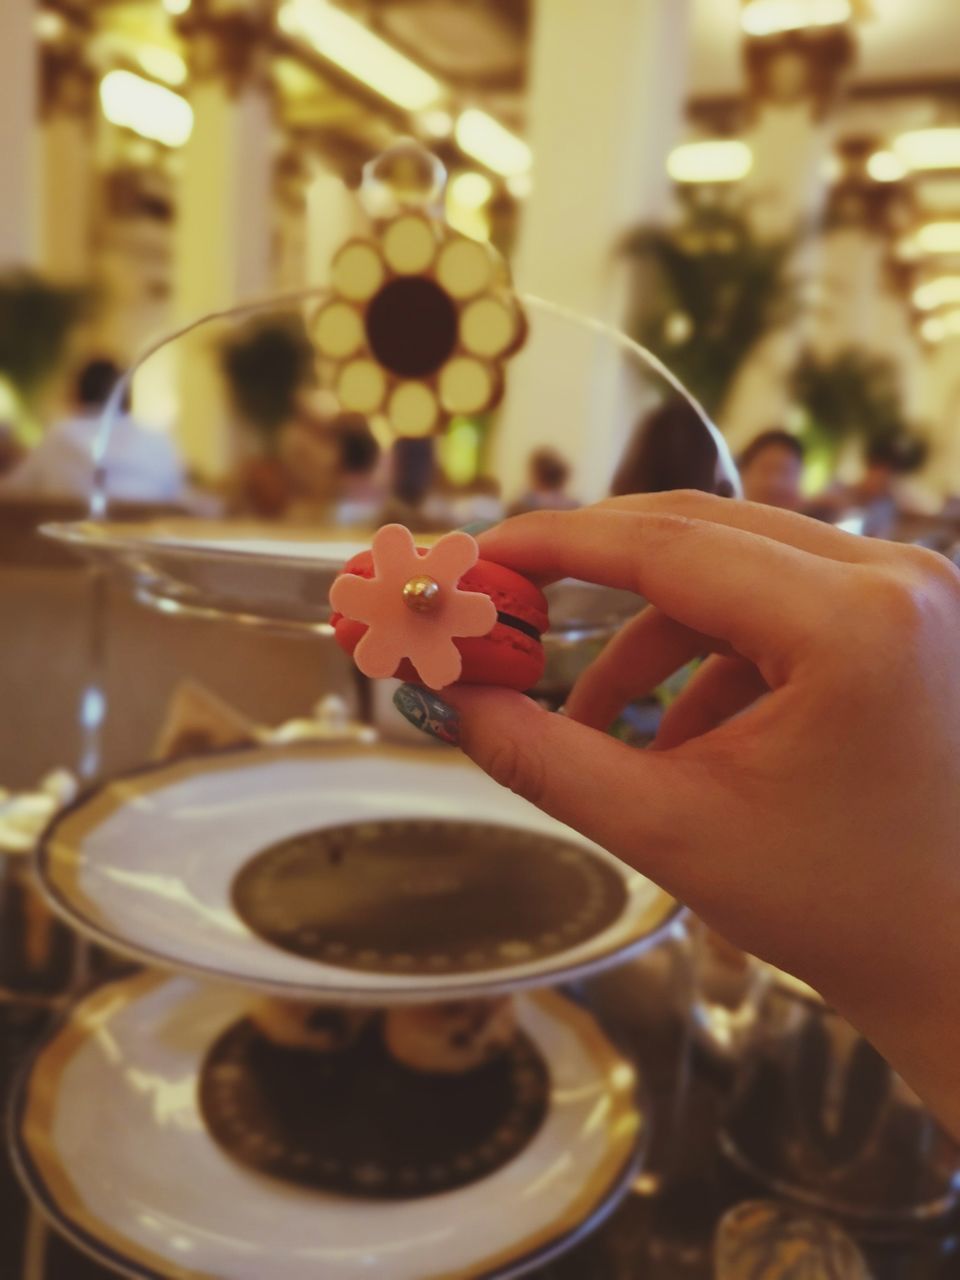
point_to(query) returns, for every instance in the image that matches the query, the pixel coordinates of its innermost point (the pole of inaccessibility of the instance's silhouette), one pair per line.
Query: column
(334, 215)
(18, 75)
(599, 169)
(857, 305)
(291, 180)
(793, 81)
(941, 410)
(65, 177)
(224, 214)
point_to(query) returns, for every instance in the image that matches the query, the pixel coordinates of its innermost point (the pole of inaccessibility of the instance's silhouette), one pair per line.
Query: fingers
(640, 656)
(763, 597)
(785, 526)
(648, 808)
(721, 688)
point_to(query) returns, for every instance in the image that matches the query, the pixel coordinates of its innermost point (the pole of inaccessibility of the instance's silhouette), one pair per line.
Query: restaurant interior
(289, 989)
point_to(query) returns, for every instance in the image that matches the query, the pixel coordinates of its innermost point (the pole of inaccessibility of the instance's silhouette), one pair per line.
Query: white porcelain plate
(267, 573)
(109, 1140)
(146, 865)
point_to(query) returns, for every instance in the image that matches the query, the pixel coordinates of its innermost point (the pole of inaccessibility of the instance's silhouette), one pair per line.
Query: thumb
(645, 807)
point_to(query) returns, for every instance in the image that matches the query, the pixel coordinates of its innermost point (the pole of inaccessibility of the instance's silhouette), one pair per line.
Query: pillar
(18, 88)
(291, 180)
(794, 79)
(940, 411)
(224, 213)
(599, 170)
(334, 215)
(858, 302)
(65, 178)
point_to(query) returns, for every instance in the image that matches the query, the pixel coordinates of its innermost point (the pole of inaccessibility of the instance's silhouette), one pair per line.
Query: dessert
(450, 1038)
(438, 615)
(298, 1024)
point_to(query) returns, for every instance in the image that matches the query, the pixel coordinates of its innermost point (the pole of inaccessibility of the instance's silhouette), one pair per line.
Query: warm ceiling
(905, 40)
(908, 55)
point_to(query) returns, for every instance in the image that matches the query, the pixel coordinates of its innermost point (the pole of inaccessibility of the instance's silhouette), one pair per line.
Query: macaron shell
(506, 656)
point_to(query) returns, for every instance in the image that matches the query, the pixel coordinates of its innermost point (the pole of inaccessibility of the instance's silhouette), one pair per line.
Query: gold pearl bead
(422, 595)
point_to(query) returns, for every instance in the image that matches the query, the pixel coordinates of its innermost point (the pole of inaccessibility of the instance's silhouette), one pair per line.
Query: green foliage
(267, 362)
(35, 322)
(852, 395)
(709, 290)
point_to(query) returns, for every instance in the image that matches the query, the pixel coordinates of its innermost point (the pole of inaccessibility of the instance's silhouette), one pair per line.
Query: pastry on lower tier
(299, 1024)
(450, 1038)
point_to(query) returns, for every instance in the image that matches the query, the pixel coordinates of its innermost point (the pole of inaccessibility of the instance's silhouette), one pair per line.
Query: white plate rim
(668, 910)
(104, 1249)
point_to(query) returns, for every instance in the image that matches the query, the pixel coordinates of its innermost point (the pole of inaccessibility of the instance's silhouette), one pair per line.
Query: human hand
(819, 828)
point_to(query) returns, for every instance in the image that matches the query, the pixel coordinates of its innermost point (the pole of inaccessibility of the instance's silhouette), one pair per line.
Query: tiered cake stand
(165, 1126)
(160, 1130)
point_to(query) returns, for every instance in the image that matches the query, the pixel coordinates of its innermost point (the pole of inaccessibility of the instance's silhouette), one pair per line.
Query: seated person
(771, 469)
(549, 474)
(140, 465)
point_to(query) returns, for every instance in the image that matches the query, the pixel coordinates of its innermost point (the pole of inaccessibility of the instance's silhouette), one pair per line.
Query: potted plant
(266, 363)
(707, 290)
(851, 398)
(36, 320)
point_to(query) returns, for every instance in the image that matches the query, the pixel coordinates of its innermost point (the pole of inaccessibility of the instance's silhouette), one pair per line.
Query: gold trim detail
(624, 1121)
(63, 863)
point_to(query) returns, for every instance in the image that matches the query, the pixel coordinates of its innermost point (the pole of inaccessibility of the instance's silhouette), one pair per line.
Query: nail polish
(428, 712)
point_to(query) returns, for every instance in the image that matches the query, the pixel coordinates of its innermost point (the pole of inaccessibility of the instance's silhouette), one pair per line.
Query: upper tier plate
(109, 1138)
(271, 574)
(148, 865)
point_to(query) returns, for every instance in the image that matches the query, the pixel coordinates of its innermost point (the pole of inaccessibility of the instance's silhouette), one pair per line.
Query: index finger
(789, 527)
(757, 594)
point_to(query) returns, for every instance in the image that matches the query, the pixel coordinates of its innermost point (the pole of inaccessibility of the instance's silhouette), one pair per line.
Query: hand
(819, 828)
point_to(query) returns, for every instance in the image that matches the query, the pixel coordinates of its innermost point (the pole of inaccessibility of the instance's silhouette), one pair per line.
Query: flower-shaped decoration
(419, 326)
(413, 607)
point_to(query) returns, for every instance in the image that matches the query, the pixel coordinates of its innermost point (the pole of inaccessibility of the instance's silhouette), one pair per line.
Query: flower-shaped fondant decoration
(419, 325)
(413, 607)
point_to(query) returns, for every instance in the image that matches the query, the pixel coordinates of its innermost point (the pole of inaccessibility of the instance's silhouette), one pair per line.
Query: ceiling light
(176, 7)
(363, 55)
(520, 185)
(768, 17)
(471, 190)
(436, 123)
(162, 64)
(929, 148)
(938, 237)
(831, 170)
(49, 25)
(885, 166)
(147, 108)
(719, 160)
(936, 328)
(942, 292)
(486, 139)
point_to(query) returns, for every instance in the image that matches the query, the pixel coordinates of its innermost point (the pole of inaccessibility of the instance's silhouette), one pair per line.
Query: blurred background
(765, 192)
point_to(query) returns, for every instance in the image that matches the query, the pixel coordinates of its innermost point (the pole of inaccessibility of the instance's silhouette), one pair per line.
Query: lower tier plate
(109, 1139)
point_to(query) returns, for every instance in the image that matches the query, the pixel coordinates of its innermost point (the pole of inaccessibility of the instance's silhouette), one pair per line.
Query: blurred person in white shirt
(141, 465)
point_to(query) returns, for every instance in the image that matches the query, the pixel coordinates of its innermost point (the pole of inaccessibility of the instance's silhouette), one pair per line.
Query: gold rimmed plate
(109, 1139)
(367, 874)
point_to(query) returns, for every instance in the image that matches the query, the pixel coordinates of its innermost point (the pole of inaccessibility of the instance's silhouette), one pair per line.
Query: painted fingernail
(476, 527)
(429, 713)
